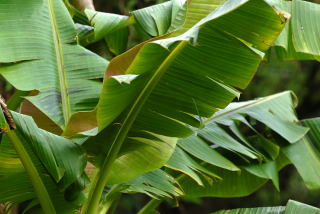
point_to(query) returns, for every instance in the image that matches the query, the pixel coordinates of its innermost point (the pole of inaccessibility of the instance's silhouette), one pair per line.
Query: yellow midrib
(66, 109)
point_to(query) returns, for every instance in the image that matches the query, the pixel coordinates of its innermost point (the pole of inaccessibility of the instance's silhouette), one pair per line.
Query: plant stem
(150, 206)
(100, 181)
(40, 189)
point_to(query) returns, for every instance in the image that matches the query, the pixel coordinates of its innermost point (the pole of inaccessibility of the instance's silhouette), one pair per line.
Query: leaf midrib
(143, 96)
(66, 109)
(121, 135)
(250, 104)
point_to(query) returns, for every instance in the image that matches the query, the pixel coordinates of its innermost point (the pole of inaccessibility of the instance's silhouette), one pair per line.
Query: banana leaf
(39, 52)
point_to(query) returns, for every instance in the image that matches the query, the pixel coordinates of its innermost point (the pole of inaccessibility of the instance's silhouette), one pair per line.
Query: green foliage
(225, 150)
(160, 122)
(49, 164)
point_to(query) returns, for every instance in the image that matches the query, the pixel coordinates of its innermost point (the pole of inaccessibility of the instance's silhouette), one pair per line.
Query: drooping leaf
(156, 184)
(275, 111)
(255, 152)
(232, 184)
(268, 170)
(201, 150)
(180, 161)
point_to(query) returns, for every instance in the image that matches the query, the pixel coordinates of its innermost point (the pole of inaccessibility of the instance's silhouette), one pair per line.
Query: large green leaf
(36, 164)
(165, 86)
(292, 207)
(299, 40)
(39, 51)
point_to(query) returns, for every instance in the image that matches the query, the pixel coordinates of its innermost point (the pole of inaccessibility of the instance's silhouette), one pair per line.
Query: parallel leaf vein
(66, 109)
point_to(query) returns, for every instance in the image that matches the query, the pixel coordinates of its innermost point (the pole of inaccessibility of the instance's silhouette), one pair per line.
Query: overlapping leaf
(165, 86)
(156, 184)
(155, 20)
(46, 160)
(259, 153)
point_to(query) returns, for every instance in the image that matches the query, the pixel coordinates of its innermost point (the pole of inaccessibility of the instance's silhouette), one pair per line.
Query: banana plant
(128, 126)
(149, 100)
